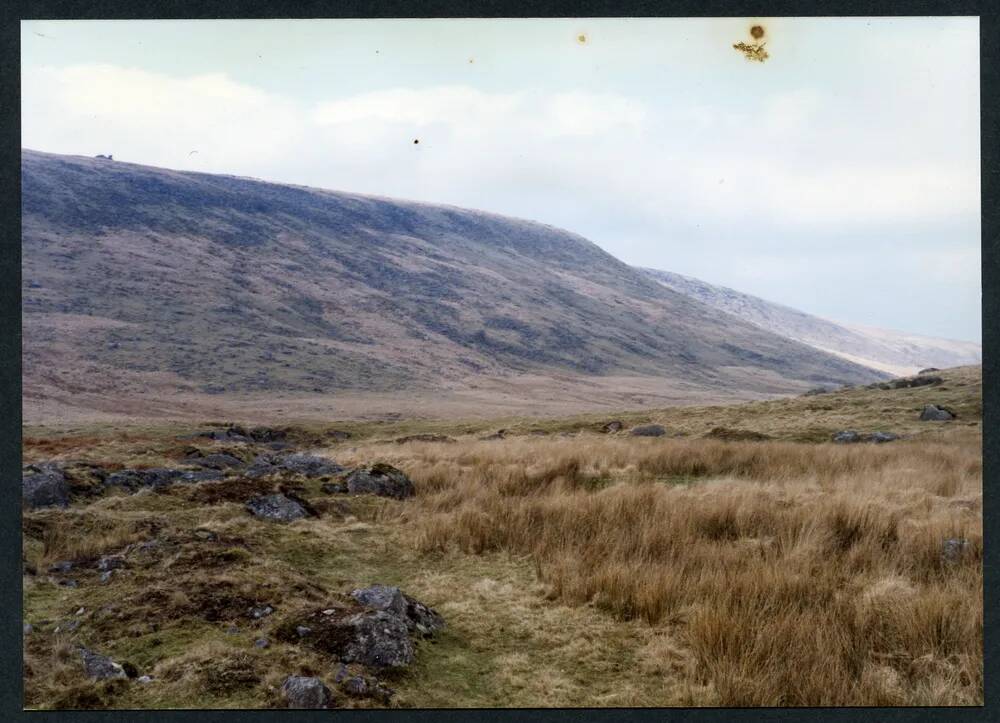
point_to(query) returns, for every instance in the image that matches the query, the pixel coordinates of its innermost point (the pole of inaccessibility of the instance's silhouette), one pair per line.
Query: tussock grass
(794, 574)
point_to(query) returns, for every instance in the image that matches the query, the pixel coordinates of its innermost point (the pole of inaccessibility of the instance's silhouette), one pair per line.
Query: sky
(840, 176)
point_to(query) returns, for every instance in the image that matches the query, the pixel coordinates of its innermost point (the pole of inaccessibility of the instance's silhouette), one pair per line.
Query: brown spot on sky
(754, 50)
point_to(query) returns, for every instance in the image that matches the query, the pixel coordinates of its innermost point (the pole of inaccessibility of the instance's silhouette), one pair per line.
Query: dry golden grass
(793, 574)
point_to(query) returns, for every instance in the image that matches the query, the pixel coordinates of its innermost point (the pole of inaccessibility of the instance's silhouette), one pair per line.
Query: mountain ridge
(144, 280)
(898, 353)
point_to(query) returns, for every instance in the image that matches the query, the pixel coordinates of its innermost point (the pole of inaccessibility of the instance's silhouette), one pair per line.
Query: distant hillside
(145, 281)
(890, 351)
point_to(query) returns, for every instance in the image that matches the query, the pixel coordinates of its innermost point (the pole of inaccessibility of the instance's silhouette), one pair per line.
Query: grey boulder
(417, 616)
(276, 508)
(44, 485)
(648, 430)
(100, 667)
(303, 692)
(380, 479)
(935, 413)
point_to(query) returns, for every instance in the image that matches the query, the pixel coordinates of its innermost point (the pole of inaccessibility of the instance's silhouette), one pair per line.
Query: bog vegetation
(572, 567)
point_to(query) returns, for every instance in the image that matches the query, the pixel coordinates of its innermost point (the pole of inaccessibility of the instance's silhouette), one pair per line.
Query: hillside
(144, 285)
(894, 352)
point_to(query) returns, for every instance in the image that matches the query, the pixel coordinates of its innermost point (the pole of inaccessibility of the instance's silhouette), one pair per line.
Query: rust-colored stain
(754, 50)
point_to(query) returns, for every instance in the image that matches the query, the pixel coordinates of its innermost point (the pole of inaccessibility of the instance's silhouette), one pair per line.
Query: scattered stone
(111, 562)
(338, 435)
(69, 583)
(936, 413)
(44, 485)
(80, 611)
(303, 692)
(67, 626)
(100, 667)
(232, 630)
(261, 643)
(106, 576)
(355, 686)
(499, 434)
(380, 479)
(736, 435)
(302, 631)
(928, 370)
(881, 437)
(917, 381)
(135, 479)
(612, 427)
(332, 488)
(28, 629)
(217, 461)
(648, 430)
(261, 612)
(63, 566)
(307, 465)
(276, 508)
(849, 436)
(144, 679)
(953, 549)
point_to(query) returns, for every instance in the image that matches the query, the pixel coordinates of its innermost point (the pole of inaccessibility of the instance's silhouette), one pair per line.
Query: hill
(155, 292)
(891, 351)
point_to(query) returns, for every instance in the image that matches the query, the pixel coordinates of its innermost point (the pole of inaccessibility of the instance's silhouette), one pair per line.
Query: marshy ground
(740, 559)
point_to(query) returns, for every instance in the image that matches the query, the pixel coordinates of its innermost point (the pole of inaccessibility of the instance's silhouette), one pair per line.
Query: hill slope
(142, 282)
(891, 351)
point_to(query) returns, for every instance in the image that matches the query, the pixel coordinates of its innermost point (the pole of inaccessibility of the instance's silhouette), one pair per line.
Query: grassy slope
(521, 631)
(144, 283)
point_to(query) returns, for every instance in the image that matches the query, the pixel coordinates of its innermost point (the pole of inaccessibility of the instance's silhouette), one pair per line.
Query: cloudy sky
(841, 176)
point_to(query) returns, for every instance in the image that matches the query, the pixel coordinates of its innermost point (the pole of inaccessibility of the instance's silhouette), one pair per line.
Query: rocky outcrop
(612, 427)
(372, 628)
(305, 465)
(44, 485)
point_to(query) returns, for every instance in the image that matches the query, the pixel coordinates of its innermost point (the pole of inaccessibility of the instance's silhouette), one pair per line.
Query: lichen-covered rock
(378, 639)
(100, 667)
(304, 692)
(612, 427)
(44, 485)
(276, 508)
(648, 430)
(380, 479)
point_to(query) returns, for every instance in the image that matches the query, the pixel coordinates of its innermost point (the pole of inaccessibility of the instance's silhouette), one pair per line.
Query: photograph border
(11, 693)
